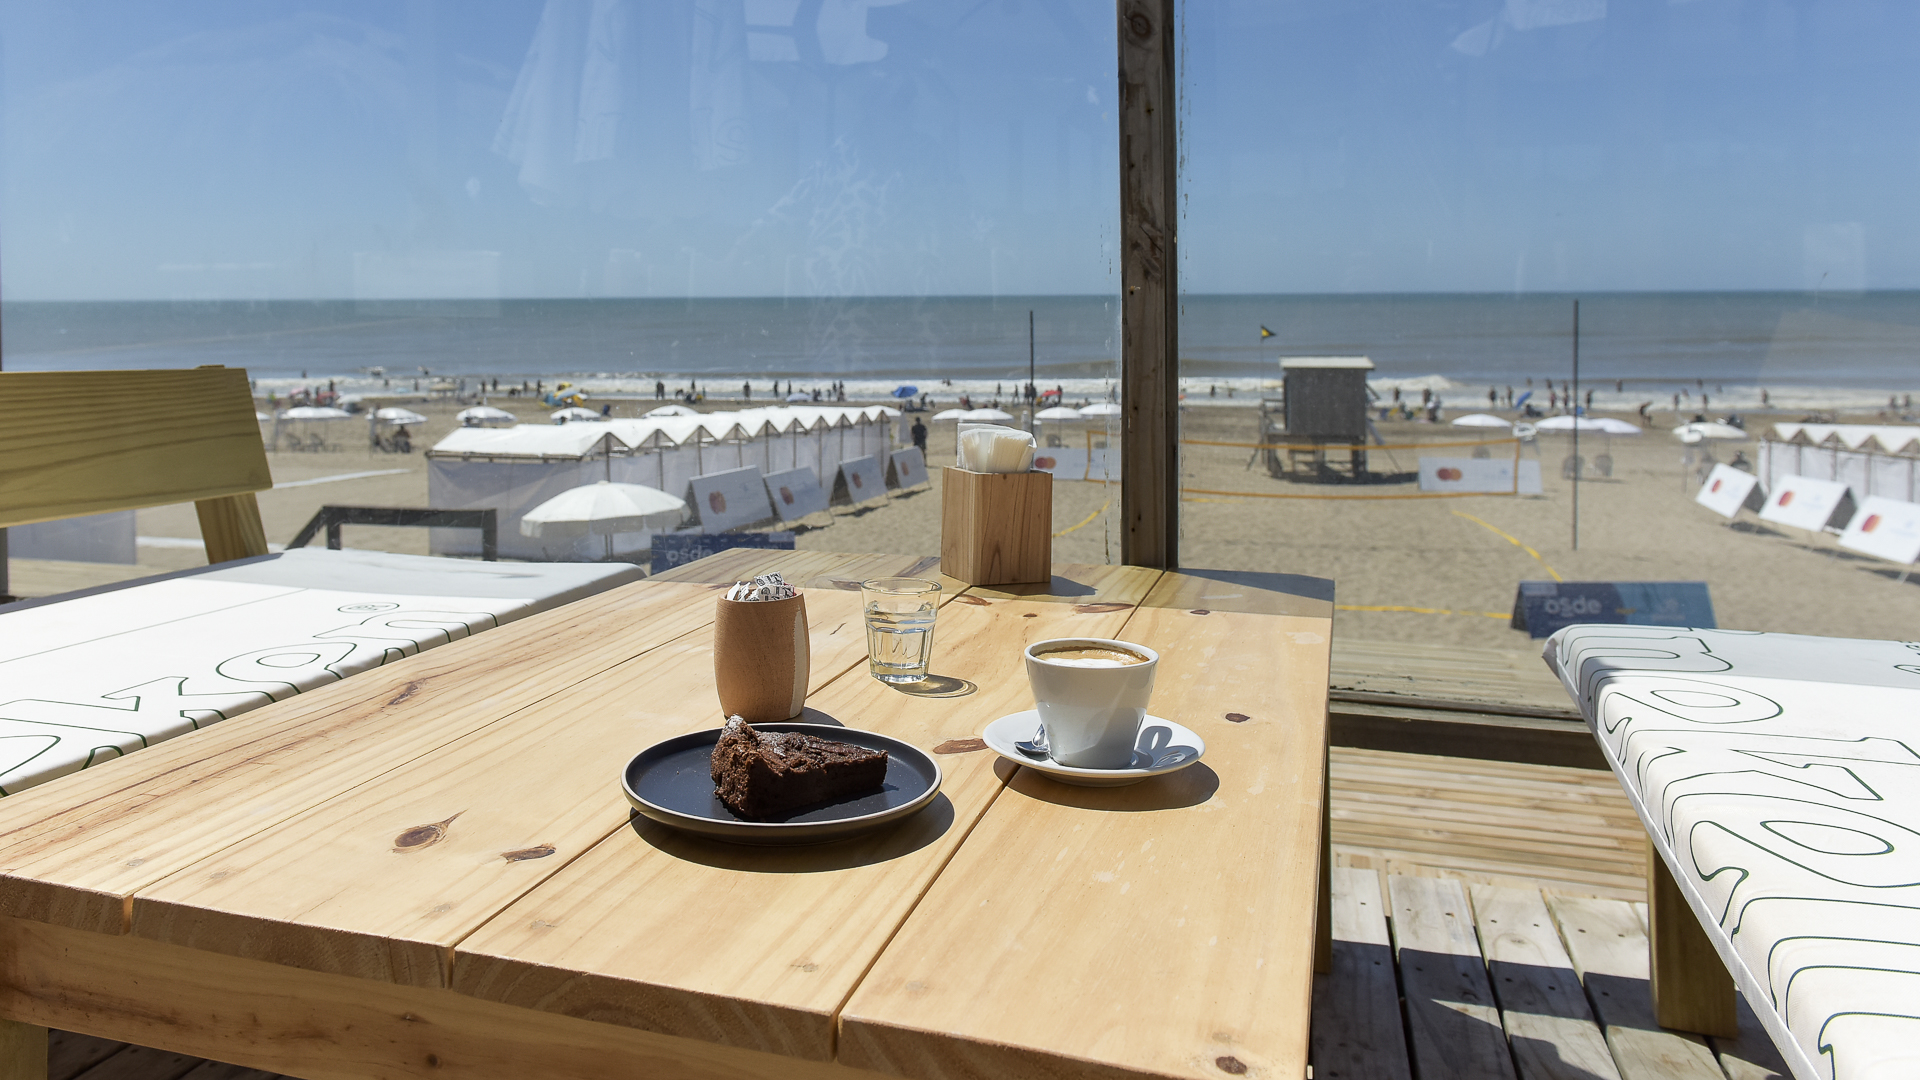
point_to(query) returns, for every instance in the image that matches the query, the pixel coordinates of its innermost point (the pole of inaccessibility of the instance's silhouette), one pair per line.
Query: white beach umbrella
(398, 416)
(798, 395)
(315, 412)
(987, 414)
(673, 410)
(574, 412)
(1101, 408)
(1058, 412)
(950, 414)
(603, 509)
(485, 416)
(1611, 426)
(1480, 419)
(1707, 431)
(258, 415)
(1571, 423)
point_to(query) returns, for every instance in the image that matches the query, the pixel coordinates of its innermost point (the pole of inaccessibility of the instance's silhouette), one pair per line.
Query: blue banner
(1541, 607)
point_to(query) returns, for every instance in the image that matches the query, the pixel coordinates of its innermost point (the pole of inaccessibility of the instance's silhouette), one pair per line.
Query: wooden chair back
(88, 442)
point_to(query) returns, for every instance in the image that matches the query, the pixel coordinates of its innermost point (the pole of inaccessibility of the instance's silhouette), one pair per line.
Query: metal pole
(1576, 425)
(1033, 390)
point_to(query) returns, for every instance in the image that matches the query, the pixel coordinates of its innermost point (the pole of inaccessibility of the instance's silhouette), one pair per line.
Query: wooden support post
(23, 1051)
(231, 527)
(1149, 287)
(1323, 920)
(1691, 988)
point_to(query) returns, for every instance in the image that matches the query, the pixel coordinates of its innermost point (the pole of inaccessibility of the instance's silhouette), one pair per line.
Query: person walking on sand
(919, 434)
(659, 390)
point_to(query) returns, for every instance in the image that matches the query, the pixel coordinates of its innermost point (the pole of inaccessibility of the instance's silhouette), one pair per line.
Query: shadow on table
(905, 838)
(1244, 591)
(1190, 786)
(937, 686)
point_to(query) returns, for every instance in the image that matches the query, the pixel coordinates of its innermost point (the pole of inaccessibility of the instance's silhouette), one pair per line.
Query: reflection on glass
(1719, 185)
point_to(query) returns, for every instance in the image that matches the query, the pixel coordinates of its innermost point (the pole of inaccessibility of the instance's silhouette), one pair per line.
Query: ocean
(1848, 350)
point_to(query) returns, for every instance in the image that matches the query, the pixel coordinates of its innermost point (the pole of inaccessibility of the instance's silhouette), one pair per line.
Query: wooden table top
(454, 821)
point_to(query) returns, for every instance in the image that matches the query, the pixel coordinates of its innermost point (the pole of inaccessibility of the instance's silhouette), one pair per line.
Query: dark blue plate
(671, 782)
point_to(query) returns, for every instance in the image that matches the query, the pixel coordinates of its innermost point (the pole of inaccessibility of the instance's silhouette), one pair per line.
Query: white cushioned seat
(102, 672)
(1779, 777)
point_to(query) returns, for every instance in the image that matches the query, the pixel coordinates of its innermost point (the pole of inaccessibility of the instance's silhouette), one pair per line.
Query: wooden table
(429, 869)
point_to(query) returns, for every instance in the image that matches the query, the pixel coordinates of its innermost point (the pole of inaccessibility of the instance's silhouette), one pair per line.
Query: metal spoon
(1035, 747)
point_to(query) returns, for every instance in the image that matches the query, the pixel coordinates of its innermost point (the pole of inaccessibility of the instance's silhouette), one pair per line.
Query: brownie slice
(770, 776)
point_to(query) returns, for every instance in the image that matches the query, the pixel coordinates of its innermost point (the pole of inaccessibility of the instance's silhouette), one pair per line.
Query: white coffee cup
(1092, 710)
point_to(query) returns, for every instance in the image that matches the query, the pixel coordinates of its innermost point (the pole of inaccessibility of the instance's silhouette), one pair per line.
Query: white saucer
(1164, 747)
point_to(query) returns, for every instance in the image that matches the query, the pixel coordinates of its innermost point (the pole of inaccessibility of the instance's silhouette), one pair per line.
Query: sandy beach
(1407, 569)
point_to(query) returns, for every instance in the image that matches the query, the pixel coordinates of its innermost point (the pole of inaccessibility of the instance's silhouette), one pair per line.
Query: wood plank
(1447, 671)
(1201, 885)
(1453, 1023)
(1416, 731)
(1609, 950)
(219, 1070)
(153, 438)
(230, 527)
(75, 850)
(1357, 1031)
(23, 1051)
(759, 947)
(1692, 989)
(70, 1053)
(1149, 285)
(1751, 1054)
(1549, 1025)
(332, 1027)
(381, 882)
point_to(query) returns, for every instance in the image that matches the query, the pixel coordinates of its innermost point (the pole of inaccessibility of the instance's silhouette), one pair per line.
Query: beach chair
(93, 675)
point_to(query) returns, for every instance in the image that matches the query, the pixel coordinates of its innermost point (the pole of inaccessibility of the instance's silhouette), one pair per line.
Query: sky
(273, 149)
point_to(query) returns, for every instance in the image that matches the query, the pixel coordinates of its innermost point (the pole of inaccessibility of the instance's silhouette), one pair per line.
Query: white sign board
(730, 499)
(796, 493)
(1887, 528)
(860, 479)
(1727, 490)
(1803, 502)
(1483, 476)
(906, 468)
(1077, 463)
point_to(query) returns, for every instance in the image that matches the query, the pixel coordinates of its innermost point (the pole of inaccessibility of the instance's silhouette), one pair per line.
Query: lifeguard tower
(1323, 406)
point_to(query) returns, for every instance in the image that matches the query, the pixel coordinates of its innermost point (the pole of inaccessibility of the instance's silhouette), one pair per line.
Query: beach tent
(1708, 432)
(1102, 408)
(1481, 419)
(955, 414)
(603, 509)
(1058, 412)
(572, 413)
(398, 416)
(485, 416)
(672, 410)
(986, 414)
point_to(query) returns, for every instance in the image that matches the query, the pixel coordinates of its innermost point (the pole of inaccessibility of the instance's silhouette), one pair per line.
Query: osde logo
(1575, 605)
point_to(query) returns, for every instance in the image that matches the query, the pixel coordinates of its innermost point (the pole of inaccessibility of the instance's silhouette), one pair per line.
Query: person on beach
(919, 433)
(659, 390)
(746, 391)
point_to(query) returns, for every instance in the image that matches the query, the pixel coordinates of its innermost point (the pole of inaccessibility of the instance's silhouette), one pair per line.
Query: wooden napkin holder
(996, 528)
(761, 658)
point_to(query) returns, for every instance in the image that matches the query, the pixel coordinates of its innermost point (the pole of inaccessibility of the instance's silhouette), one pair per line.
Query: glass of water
(899, 615)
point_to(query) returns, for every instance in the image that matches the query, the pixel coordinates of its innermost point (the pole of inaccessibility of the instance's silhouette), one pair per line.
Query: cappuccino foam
(1090, 656)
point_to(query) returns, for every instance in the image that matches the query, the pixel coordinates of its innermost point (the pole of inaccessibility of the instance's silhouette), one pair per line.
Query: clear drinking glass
(899, 615)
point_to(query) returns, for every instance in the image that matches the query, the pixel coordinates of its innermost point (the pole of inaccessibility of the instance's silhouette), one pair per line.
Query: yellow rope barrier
(1512, 539)
(1088, 520)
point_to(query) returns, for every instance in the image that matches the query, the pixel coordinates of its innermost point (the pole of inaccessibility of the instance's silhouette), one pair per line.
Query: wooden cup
(760, 658)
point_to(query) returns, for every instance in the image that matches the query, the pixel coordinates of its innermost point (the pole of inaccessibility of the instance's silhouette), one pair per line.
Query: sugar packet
(764, 587)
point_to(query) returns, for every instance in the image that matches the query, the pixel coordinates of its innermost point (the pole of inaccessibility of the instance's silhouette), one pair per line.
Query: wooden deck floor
(1487, 920)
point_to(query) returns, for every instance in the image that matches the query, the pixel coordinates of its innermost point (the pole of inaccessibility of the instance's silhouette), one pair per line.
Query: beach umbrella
(574, 413)
(905, 391)
(1102, 408)
(799, 395)
(672, 410)
(315, 412)
(485, 416)
(258, 415)
(986, 414)
(1617, 427)
(1058, 412)
(1570, 423)
(1707, 432)
(398, 416)
(1481, 419)
(950, 414)
(603, 509)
